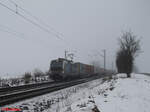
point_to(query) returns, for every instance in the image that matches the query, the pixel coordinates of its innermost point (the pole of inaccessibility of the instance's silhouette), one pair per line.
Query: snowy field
(117, 94)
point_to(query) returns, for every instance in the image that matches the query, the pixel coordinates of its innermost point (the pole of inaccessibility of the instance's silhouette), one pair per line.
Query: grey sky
(87, 25)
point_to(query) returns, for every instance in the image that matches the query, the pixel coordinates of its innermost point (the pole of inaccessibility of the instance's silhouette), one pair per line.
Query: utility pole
(112, 66)
(16, 8)
(66, 54)
(69, 55)
(104, 56)
(104, 59)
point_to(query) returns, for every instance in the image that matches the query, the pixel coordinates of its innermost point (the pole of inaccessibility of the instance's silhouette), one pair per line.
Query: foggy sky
(86, 26)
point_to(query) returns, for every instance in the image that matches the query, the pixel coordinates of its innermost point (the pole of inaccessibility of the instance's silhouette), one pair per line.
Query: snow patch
(111, 94)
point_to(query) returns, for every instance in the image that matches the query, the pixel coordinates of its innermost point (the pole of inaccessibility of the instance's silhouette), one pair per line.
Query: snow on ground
(117, 94)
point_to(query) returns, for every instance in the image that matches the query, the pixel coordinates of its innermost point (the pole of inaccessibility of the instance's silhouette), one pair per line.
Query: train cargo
(63, 69)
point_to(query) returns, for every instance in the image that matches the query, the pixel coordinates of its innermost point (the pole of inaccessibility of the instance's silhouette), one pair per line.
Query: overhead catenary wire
(11, 30)
(35, 17)
(12, 33)
(20, 35)
(29, 20)
(57, 35)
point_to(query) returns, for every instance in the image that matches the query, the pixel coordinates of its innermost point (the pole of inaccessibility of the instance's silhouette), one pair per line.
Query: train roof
(62, 59)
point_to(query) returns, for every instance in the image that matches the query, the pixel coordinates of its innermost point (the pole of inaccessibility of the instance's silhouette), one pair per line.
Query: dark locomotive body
(62, 69)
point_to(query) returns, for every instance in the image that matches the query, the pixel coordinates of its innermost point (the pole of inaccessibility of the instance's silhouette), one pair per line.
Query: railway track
(148, 74)
(24, 94)
(23, 87)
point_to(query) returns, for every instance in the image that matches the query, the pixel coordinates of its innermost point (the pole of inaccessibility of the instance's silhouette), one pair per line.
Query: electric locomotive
(62, 69)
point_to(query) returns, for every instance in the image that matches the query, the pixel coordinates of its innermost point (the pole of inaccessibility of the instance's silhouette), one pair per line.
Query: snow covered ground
(117, 94)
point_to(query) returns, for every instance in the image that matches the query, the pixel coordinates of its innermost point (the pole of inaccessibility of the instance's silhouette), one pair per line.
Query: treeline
(36, 76)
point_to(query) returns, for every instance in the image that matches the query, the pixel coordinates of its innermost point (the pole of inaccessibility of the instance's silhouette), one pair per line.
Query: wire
(9, 29)
(29, 20)
(33, 22)
(21, 35)
(7, 7)
(12, 33)
(35, 17)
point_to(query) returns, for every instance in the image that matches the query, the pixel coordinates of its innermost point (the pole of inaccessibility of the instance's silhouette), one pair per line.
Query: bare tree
(15, 81)
(48, 73)
(129, 49)
(37, 74)
(0, 82)
(27, 77)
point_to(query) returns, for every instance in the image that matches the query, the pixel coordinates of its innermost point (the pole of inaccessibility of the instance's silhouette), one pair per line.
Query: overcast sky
(84, 26)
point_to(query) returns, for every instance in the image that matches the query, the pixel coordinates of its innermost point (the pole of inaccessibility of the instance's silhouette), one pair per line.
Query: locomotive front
(56, 68)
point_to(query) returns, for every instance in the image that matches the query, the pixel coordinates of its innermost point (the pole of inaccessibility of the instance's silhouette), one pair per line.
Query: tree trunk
(128, 75)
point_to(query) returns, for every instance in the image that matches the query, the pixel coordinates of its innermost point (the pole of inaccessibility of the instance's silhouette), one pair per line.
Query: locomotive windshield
(56, 66)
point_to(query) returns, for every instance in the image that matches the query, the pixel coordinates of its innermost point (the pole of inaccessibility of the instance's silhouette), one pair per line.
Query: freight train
(63, 69)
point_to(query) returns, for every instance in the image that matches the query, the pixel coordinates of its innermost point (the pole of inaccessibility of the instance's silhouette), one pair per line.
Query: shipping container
(75, 68)
(89, 69)
(80, 68)
(67, 68)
